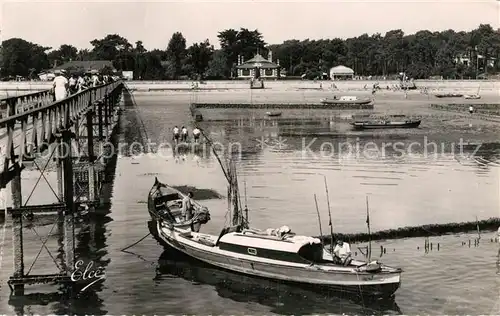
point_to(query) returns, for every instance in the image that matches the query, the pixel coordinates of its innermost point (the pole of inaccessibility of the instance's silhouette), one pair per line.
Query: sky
(52, 23)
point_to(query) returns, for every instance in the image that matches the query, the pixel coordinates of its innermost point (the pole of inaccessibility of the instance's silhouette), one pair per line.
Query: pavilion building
(258, 67)
(341, 73)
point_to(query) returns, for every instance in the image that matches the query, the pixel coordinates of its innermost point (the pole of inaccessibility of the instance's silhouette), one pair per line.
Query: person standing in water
(184, 134)
(176, 134)
(60, 86)
(196, 134)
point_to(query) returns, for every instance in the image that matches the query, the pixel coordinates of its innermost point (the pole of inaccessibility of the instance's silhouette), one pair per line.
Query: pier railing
(32, 122)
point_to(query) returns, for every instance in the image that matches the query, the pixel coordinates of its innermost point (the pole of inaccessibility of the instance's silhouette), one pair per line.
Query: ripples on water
(280, 183)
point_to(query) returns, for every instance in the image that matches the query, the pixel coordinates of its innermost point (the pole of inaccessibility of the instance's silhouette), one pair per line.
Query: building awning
(341, 70)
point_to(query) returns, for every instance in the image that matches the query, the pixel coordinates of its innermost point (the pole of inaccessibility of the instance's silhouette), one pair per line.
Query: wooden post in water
(17, 230)
(69, 225)
(478, 231)
(369, 233)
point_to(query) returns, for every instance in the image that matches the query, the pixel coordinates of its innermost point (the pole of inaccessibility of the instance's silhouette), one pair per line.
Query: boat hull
(370, 284)
(451, 95)
(355, 102)
(362, 125)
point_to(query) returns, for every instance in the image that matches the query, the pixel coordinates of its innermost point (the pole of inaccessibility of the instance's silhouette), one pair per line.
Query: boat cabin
(290, 248)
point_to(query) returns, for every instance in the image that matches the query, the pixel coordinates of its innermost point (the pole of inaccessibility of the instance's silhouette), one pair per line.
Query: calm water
(280, 180)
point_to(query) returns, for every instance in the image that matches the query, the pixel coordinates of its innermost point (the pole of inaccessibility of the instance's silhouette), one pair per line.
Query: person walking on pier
(184, 134)
(60, 86)
(176, 134)
(196, 134)
(80, 84)
(72, 84)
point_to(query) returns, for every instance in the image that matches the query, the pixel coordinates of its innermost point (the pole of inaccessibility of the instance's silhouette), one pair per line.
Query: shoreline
(351, 85)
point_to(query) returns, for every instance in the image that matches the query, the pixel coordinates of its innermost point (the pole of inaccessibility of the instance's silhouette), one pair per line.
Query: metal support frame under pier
(54, 126)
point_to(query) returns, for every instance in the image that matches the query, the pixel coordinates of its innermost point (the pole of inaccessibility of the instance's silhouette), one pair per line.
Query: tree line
(449, 53)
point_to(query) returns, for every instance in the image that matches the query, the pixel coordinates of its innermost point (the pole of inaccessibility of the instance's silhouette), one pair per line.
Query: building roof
(258, 62)
(341, 70)
(85, 65)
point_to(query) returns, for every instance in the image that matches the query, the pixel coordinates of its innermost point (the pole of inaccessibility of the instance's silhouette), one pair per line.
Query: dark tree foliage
(176, 53)
(243, 42)
(199, 56)
(421, 55)
(64, 54)
(23, 58)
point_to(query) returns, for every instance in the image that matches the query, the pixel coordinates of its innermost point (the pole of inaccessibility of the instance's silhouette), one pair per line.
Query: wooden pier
(33, 125)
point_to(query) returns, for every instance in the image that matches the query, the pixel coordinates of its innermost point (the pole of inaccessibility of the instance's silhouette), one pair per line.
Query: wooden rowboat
(165, 205)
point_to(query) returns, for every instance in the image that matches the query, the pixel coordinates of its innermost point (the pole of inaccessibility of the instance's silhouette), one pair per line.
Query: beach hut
(341, 72)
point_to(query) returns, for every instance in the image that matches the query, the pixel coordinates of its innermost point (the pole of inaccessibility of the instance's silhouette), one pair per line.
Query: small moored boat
(448, 95)
(345, 100)
(165, 205)
(472, 96)
(379, 124)
(273, 114)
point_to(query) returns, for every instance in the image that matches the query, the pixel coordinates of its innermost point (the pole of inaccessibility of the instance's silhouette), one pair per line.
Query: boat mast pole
(216, 156)
(246, 207)
(319, 219)
(329, 215)
(369, 233)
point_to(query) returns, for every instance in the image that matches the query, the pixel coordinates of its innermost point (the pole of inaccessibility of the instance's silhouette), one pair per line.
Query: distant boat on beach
(473, 96)
(449, 95)
(384, 124)
(345, 100)
(273, 114)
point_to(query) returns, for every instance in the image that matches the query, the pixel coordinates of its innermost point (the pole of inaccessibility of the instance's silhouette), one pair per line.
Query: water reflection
(90, 245)
(281, 298)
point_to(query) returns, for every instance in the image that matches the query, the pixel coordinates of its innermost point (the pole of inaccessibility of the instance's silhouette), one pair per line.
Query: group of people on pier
(182, 134)
(64, 85)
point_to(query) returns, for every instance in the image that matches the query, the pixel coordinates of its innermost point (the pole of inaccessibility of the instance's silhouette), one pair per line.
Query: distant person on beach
(60, 86)
(176, 134)
(184, 134)
(471, 109)
(196, 134)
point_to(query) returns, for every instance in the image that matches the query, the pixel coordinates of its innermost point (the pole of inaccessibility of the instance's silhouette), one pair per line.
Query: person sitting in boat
(187, 206)
(342, 252)
(196, 134)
